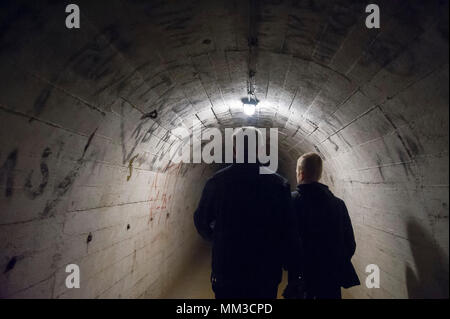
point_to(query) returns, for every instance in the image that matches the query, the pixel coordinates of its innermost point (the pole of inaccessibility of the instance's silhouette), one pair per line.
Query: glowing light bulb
(249, 109)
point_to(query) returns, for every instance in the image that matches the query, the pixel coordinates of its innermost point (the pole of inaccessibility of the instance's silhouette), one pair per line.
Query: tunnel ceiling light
(249, 105)
(249, 109)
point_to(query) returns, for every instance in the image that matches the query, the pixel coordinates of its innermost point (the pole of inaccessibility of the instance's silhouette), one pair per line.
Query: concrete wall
(78, 149)
(61, 187)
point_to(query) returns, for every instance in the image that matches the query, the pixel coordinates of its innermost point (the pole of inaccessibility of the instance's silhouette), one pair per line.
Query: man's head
(309, 168)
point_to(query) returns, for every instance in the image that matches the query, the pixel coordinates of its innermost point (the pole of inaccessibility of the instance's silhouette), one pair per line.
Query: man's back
(245, 214)
(327, 236)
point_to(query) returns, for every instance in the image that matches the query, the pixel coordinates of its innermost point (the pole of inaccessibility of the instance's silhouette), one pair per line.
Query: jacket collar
(246, 167)
(311, 186)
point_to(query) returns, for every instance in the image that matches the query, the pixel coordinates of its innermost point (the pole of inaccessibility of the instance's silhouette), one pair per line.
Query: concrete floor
(194, 282)
(90, 117)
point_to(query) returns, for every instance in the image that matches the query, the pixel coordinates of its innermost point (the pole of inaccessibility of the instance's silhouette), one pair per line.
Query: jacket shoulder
(341, 208)
(339, 201)
(221, 173)
(268, 175)
(274, 177)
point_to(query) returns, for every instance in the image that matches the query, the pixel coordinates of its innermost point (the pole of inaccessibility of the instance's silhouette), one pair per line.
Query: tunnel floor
(105, 129)
(193, 283)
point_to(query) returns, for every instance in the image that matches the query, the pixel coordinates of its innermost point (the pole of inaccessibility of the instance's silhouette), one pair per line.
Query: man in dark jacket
(246, 215)
(326, 233)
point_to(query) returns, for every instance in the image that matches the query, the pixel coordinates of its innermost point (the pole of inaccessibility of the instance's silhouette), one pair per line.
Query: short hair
(311, 166)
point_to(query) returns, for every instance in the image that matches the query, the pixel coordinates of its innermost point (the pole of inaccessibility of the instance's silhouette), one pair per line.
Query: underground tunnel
(88, 113)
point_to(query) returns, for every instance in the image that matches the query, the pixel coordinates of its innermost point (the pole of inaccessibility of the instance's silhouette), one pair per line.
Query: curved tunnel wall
(80, 180)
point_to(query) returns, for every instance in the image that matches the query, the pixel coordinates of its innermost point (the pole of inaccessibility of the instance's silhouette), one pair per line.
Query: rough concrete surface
(78, 144)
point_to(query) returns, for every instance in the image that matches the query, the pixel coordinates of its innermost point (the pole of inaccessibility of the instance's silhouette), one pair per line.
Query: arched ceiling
(189, 60)
(373, 102)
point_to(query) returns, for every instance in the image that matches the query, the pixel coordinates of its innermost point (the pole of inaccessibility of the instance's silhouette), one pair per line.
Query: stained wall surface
(83, 178)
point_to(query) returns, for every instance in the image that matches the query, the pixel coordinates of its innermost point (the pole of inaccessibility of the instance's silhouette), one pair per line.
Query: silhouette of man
(326, 232)
(246, 215)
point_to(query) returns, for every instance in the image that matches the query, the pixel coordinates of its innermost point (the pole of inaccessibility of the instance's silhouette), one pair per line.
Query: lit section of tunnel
(80, 139)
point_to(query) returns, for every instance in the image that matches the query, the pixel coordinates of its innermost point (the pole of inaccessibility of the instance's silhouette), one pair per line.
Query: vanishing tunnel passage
(87, 116)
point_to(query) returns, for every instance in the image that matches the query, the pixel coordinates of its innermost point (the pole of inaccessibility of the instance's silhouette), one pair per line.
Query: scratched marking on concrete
(130, 166)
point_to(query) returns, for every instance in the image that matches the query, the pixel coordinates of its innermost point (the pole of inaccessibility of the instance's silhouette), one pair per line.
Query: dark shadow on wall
(430, 277)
